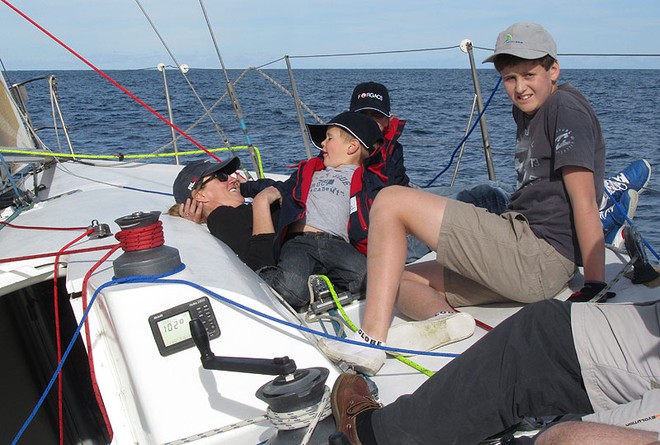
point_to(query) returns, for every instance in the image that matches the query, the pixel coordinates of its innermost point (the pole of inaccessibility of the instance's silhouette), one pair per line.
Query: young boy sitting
(322, 226)
(527, 254)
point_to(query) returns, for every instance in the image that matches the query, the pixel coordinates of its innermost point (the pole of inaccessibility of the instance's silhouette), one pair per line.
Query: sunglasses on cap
(220, 176)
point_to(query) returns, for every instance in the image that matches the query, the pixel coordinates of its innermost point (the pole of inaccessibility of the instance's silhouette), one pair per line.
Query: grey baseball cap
(524, 40)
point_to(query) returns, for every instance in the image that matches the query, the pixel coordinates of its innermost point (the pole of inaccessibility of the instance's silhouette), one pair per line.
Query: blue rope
(76, 334)
(159, 279)
(139, 279)
(9, 176)
(474, 125)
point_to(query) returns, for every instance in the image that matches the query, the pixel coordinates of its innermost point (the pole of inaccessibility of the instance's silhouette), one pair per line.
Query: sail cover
(12, 130)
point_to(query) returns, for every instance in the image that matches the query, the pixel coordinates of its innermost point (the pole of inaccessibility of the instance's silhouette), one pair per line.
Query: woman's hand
(262, 220)
(269, 195)
(191, 210)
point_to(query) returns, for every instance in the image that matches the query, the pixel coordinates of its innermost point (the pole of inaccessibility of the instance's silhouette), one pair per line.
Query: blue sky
(115, 34)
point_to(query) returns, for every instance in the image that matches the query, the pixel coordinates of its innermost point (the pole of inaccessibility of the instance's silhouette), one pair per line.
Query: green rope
(128, 156)
(354, 328)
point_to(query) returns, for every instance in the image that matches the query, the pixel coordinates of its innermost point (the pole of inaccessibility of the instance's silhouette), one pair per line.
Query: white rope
(215, 431)
(306, 417)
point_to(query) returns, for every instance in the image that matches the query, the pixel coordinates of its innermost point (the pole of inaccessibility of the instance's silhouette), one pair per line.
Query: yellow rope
(354, 328)
(128, 156)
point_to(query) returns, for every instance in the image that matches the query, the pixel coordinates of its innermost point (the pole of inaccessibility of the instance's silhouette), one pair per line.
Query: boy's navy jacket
(366, 182)
(391, 154)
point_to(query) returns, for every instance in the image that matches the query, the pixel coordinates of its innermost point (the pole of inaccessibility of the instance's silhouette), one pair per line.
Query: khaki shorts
(491, 258)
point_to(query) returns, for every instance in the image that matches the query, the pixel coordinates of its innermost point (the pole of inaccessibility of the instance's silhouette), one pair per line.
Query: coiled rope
(307, 417)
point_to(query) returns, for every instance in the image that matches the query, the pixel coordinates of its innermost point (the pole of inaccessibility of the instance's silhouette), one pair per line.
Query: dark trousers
(526, 367)
(315, 253)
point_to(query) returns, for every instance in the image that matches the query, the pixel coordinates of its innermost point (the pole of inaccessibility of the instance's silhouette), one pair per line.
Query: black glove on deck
(589, 291)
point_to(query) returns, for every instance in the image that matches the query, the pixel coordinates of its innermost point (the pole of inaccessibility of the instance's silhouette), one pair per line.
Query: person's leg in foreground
(527, 366)
(590, 433)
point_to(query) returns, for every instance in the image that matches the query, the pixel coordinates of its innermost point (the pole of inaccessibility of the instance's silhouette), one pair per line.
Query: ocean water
(436, 103)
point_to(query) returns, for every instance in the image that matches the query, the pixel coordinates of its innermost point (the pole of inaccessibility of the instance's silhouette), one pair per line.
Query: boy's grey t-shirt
(564, 132)
(328, 202)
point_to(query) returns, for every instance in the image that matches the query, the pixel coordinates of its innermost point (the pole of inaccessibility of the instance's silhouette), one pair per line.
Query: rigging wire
(108, 78)
(201, 118)
(207, 112)
(232, 93)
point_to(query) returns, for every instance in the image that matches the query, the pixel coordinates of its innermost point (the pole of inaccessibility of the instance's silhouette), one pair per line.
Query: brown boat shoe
(350, 397)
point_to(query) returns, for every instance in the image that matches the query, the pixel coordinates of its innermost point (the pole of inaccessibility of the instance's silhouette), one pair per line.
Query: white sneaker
(362, 358)
(430, 334)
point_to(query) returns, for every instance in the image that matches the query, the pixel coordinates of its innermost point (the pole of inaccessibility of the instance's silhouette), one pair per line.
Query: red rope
(88, 337)
(130, 240)
(58, 340)
(44, 255)
(142, 237)
(481, 324)
(15, 226)
(110, 79)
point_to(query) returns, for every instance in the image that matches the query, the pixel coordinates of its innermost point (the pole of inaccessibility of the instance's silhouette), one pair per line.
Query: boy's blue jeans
(315, 253)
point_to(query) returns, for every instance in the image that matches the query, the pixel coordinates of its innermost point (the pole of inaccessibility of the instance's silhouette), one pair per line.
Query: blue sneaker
(613, 218)
(636, 176)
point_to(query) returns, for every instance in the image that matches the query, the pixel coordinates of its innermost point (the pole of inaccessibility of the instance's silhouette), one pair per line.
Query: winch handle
(275, 366)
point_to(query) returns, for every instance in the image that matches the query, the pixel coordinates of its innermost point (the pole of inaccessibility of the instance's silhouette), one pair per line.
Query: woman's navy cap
(192, 173)
(362, 127)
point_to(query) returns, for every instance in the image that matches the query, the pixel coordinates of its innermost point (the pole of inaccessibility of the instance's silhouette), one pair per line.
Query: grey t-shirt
(564, 132)
(328, 202)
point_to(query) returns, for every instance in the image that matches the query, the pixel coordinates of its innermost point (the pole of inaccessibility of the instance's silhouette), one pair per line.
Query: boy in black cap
(373, 99)
(322, 227)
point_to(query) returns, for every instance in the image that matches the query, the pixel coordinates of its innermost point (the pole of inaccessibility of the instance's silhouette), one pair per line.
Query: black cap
(362, 127)
(192, 173)
(371, 96)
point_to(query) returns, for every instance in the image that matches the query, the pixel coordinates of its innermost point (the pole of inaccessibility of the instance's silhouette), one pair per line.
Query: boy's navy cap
(192, 174)
(371, 96)
(525, 40)
(362, 127)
